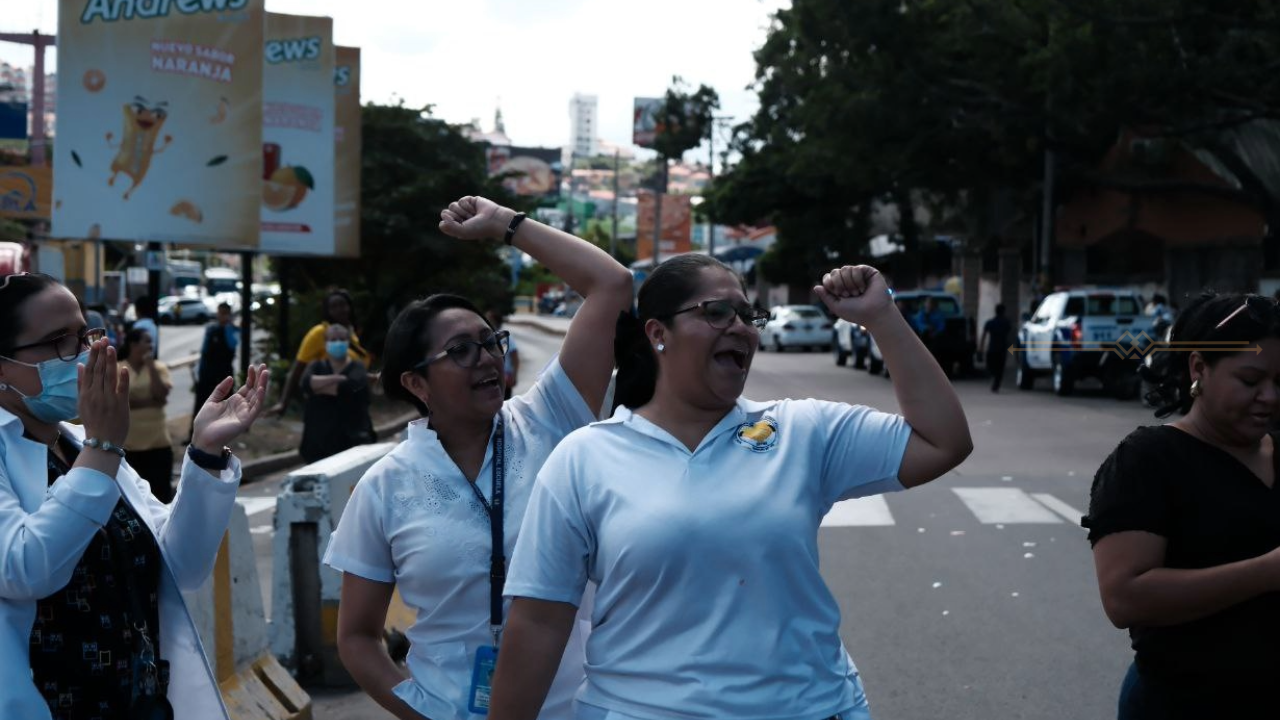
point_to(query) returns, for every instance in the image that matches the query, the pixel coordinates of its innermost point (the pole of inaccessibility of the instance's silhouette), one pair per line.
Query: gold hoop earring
(1195, 388)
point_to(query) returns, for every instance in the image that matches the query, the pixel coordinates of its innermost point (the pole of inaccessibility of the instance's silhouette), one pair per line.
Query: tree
(959, 100)
(413, 166)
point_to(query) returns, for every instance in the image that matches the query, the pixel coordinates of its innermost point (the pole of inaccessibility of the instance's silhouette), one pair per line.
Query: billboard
(645, 121)
(533, 172)
(297, 161)
(25, 192)
(160, 121)
(346, 134)
(677, 224)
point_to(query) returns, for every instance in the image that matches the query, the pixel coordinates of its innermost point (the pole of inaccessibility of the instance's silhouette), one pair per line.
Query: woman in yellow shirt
(149, 446)
(339, 309)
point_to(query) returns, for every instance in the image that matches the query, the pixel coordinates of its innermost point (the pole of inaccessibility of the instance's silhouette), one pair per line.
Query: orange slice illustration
(188, 210)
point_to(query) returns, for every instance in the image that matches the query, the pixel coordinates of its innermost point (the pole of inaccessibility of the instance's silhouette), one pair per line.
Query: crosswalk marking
(861, 512)
(1071, 514)
(1006, 506)
(254, 505)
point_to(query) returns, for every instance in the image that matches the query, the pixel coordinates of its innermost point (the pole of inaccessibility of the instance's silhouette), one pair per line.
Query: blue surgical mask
(337, 348)
(59, 397)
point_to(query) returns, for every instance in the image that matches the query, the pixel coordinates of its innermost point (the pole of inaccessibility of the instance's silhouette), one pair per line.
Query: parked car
(796, 326)
(174, 310)
(850, 339)
(953, 348)
(1066, 339)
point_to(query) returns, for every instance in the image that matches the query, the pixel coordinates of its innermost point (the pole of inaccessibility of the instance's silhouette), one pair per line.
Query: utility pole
(568, 206)
(613, 236)
(39, 42)
(711, 175)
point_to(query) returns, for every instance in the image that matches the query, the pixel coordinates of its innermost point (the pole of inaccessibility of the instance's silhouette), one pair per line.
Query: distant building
(497, 138)
(583, 125)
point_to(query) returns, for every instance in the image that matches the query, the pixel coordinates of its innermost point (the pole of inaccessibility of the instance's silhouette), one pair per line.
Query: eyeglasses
(719, 314)
(68, 346)
(466, 353)
(1260, 308)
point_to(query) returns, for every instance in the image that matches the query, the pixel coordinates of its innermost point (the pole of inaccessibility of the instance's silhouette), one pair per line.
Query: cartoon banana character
(142, 123)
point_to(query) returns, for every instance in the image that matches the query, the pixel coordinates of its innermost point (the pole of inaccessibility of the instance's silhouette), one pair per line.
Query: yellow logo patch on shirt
(759, 436)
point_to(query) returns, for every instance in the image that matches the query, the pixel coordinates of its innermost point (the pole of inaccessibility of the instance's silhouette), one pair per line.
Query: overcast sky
(530, 57)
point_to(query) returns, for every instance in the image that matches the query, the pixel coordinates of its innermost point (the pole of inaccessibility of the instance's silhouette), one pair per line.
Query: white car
(796, 326)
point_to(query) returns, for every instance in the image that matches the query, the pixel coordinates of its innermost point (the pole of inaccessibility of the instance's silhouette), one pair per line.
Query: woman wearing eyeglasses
(1184, 521)
(424, 519)
(696, 513)
(92, 621)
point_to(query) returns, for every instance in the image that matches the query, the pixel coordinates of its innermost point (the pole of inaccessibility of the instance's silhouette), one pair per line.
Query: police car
(1067, 339)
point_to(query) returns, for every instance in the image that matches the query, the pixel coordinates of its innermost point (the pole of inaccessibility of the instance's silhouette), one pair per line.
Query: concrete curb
(184, 361)
(536, 325)
(258, 468)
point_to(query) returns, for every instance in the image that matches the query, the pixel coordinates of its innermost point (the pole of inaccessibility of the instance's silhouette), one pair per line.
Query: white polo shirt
(413, 520)
(710, 603)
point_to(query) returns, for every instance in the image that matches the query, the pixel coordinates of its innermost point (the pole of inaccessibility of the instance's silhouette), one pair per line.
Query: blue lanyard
(497, 558)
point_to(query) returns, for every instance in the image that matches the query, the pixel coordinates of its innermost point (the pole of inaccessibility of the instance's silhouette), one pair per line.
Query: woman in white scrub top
(696, 514)
(420, 519)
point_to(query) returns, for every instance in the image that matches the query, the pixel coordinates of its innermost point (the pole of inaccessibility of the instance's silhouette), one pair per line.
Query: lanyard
(497, 558)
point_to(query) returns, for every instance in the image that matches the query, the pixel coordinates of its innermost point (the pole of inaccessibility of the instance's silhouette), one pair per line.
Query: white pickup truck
(1068, 337)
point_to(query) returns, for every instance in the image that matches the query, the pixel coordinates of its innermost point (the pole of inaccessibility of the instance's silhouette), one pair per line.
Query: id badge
(482, 680)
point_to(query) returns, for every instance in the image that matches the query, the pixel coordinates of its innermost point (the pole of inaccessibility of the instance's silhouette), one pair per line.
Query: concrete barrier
(228, 613)
(304, 597)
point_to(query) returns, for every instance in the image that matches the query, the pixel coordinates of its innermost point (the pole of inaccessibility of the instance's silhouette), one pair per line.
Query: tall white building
(583, 128)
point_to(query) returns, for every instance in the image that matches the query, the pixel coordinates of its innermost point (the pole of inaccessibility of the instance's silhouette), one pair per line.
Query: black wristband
(511, 229)
(207, 461)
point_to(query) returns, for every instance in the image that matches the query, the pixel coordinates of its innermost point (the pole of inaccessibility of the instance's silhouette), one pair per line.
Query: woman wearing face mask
(338, 308)
(89, 558)
(428, 517)
(1184, 520)
(657, 505)
(337, 400)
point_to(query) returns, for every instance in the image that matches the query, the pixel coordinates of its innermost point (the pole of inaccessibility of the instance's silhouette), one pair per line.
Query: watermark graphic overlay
(1129, 346)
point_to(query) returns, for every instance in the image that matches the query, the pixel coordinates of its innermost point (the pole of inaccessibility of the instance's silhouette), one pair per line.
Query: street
(970, 598)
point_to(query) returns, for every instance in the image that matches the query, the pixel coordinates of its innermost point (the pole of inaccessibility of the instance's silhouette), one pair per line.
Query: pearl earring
(661, 347)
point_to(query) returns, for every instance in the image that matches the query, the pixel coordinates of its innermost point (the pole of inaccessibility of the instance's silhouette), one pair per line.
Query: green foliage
(413, 166)
(957, 102)
(685, 119)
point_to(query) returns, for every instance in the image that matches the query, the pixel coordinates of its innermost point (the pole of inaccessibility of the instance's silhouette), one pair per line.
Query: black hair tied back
(637, 367)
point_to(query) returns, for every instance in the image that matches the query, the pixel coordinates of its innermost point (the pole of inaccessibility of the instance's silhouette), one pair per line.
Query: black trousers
(995, 366)
(156, 467)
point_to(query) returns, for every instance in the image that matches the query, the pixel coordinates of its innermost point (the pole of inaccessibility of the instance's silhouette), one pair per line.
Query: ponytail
(637, 366)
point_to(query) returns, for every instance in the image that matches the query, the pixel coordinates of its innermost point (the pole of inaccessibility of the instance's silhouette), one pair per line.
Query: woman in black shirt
(1184, 520)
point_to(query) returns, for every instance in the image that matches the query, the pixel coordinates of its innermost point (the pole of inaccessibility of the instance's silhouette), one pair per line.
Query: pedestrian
(338, 307)
(336, 389)
(92, 565)
(217, 357)
(996, 331)
(1184, 521)
(145, 307)
(697, 512)
(149, 446)
(511, 367)
(424, 518)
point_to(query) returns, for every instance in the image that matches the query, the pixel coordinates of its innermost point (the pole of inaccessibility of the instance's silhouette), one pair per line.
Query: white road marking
(1071, 514)
(870, 511)
(254, 505)
(1004, 505)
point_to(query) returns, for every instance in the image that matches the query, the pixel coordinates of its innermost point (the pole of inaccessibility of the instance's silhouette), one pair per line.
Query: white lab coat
(44, 530)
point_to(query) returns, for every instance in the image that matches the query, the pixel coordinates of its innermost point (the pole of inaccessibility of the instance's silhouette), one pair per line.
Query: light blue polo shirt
(710, 603)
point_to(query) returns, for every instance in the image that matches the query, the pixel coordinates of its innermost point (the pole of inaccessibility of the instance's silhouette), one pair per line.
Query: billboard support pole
(246, 312)
(282, 339)
(657, 211)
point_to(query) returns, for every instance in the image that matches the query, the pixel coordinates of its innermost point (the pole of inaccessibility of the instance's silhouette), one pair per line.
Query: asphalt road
(971, 598)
